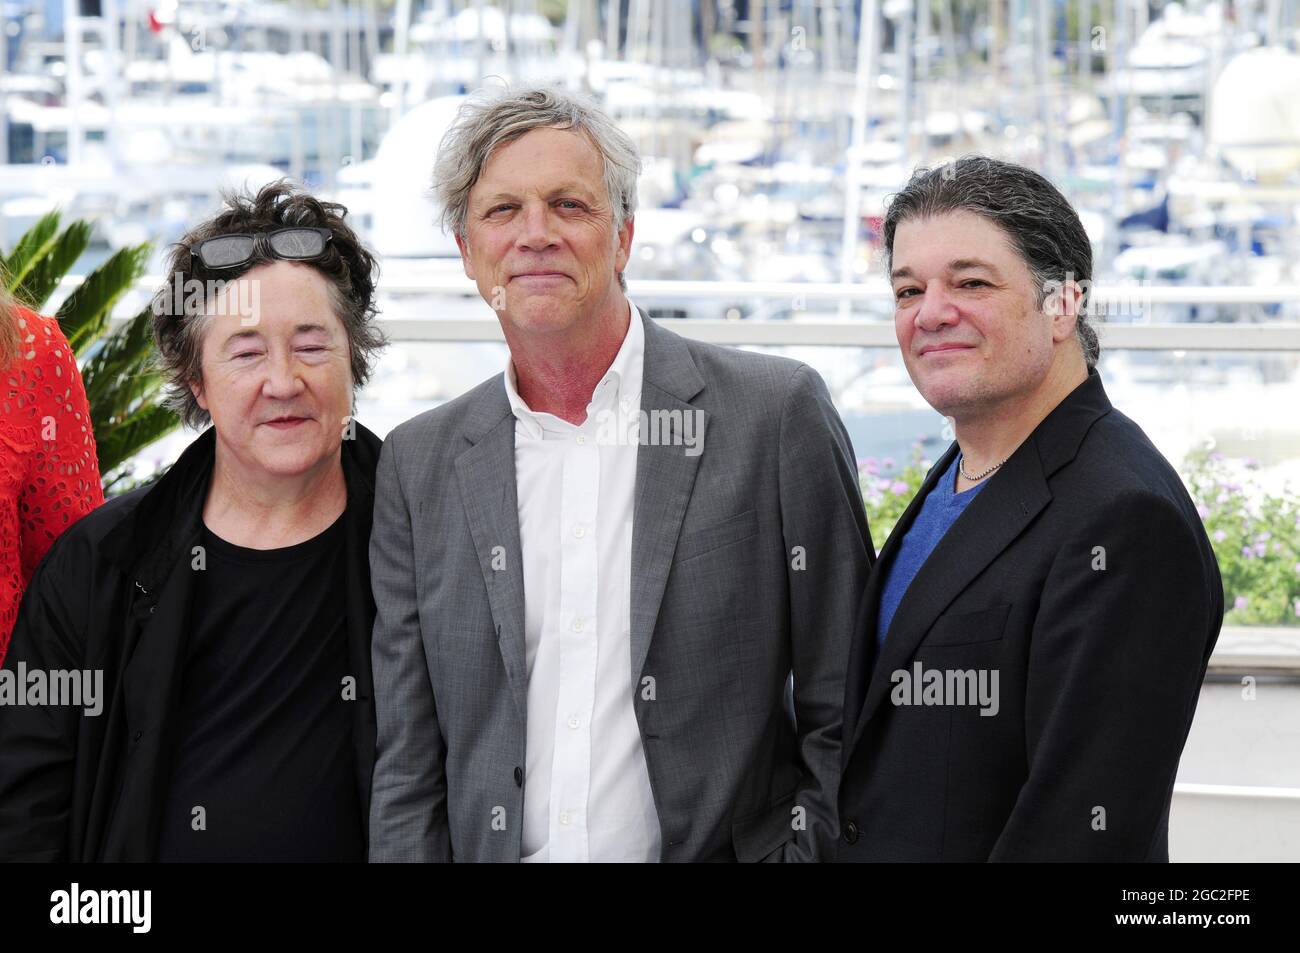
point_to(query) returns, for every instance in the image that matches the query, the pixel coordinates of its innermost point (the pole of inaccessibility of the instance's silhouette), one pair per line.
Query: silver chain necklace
(961, 467)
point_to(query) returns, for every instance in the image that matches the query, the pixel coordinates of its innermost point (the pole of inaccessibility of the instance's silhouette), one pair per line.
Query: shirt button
(851, 832)
(519, 777)
(579, 531)
(582, 439)
(573, 721)
(578, 625)
(564, 818)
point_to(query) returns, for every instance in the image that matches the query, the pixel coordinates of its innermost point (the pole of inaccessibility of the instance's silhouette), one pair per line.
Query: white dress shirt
(587, 796)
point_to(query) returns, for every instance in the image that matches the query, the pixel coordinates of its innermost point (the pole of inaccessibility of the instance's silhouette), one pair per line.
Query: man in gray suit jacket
(596, 573)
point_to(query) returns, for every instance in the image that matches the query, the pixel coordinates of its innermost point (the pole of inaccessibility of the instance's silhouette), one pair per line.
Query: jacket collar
(170, 512)
(992, 521)
(1061, 433)
(666, 364)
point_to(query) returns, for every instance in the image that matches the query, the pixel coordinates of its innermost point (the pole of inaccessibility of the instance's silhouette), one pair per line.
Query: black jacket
(1082, 575)
(113, 594)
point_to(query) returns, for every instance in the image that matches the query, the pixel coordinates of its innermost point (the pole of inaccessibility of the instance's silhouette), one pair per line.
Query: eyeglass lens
(298, 243)
(226, 250)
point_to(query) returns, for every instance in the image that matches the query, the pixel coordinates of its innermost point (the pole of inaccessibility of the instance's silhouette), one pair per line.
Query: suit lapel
(863, 651)
(1016, 495)
(665, 477)
(486, 473)
(993, 520)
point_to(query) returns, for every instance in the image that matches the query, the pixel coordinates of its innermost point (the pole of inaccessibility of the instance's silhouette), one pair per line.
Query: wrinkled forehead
(541, 160)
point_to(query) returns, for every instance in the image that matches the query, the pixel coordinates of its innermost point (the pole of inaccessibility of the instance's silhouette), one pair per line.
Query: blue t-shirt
(938, 512)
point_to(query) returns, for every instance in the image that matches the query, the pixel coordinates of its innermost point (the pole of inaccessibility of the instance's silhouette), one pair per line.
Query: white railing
(856, 331)
(862, 333)
(1272, 336)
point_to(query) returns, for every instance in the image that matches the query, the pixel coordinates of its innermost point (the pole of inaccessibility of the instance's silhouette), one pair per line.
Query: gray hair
(494, 117)
(1039, 221)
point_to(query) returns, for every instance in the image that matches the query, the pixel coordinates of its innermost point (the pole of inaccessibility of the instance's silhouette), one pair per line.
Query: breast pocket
(967, 628)
(733, 529)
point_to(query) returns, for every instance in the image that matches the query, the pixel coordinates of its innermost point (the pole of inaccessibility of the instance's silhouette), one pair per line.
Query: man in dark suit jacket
(1034, 637)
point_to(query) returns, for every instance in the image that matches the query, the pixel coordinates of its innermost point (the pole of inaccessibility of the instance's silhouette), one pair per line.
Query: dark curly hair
(346, 264)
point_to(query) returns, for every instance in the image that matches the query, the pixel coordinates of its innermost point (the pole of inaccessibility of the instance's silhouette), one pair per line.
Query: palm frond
(122, 440)
(117, 374)
(124, 390)
(35, 242)
(83, 315)
(45, 271)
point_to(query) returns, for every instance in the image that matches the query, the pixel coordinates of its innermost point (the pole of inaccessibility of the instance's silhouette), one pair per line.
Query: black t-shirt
(263, 732)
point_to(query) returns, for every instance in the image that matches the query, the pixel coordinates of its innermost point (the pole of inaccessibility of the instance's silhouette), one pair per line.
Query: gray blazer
(748, 562)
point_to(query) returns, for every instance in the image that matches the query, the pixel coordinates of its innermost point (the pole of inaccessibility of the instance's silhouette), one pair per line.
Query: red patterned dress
(49, 470)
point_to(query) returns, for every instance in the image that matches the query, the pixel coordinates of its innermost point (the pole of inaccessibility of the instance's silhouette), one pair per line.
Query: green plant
(122, 386)
(887, 489)
(1255, 535)
(1256, 539)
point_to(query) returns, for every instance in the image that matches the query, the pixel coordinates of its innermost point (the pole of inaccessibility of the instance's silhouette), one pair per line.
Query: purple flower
(1239, 602)
(1261, 549)
(1247, 552)
(1297, 569)
(1297, 607)
(898, 488)
(1204, 511)
(1220, 536)
(1252, 463)
(883, 483)
(871, 466)
(1221, 498)
(1216, 457)
(1264, 536)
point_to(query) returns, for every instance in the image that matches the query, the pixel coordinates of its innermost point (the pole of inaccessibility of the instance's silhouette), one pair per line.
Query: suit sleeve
(1116, 661)
(38, 743)
(829, 556)
(408, 806)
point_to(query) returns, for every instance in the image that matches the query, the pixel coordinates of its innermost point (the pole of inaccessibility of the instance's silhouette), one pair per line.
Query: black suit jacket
(1081, 575)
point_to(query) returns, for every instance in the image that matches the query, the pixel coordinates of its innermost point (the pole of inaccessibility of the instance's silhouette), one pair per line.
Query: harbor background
(773, 133)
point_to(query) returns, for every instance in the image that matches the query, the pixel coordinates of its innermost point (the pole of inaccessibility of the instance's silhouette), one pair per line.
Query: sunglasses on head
(295, 243)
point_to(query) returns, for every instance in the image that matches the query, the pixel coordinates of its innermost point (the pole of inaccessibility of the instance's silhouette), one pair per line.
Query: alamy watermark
(658, 427)
(946, 686)
(1115, 301)
(191, 297)
(77, 906)
(76, 688)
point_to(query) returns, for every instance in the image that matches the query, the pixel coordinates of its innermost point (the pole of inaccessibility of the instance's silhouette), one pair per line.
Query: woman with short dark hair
(225, 610)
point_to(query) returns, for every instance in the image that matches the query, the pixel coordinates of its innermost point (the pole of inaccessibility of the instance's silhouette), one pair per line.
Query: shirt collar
(622, 378)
